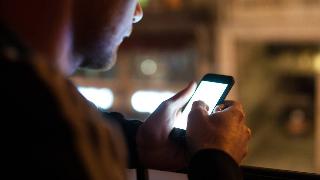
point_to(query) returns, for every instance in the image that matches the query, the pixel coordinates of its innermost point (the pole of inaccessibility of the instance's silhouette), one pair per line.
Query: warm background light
(101, 97)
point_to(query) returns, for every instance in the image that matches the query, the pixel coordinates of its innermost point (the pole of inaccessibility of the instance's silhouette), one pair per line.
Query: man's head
(72, 33)
(99, 27)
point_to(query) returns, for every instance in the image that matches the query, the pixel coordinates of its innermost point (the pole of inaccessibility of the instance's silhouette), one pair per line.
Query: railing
(254, 173)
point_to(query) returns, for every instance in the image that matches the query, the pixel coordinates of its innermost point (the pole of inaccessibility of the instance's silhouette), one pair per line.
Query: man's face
(99, 28)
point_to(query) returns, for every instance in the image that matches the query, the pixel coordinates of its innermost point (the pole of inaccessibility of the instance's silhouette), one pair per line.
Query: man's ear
(138, 13)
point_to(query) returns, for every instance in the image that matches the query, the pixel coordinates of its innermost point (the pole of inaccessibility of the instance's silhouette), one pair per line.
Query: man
(54, 133)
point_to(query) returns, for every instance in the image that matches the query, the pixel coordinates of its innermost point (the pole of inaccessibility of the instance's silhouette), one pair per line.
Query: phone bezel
(218, 78)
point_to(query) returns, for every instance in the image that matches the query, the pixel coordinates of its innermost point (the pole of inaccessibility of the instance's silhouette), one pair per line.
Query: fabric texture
(210, 164)
(64, 137)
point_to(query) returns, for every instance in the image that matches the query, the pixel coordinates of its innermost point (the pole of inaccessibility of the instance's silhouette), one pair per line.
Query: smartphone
(212, 89)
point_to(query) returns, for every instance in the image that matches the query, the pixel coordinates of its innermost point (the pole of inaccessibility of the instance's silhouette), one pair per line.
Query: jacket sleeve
(211, 164)
(129, 129)
(207, 164)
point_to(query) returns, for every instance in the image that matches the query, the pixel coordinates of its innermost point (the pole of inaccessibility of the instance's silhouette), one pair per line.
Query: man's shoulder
(50, 123)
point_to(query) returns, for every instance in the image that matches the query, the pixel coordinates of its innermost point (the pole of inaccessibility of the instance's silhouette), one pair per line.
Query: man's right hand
(223, 130)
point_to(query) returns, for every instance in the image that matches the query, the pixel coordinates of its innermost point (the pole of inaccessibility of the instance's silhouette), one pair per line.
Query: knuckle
(241, 115)
(238, 114)
(197, 111)
(235, 104)
(238, 106)
(199, 103)
(249, 130)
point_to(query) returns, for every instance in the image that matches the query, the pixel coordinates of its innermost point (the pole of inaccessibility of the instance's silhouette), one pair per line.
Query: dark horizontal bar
(257, 173)
(260, 173)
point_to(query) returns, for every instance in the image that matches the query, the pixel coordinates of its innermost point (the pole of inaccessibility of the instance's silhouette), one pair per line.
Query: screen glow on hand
(208, 92)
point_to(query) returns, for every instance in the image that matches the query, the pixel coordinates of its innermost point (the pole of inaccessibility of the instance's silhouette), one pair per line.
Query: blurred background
(271, 47)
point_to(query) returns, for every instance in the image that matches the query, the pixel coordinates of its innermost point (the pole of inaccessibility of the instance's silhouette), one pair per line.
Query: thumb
(182, 97)
(199, 109)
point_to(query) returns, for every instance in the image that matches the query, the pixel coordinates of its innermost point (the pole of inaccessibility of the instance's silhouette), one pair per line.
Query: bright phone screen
(208, 92)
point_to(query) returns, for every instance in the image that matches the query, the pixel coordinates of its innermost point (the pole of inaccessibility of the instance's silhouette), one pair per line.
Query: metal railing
(253, 173)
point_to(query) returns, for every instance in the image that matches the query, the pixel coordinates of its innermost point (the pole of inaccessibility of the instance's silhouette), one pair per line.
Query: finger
(246, 132)
(198, 111)
(230, 115)
(233, 105)
(182, 97)
(230, 103)
(201, 105)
